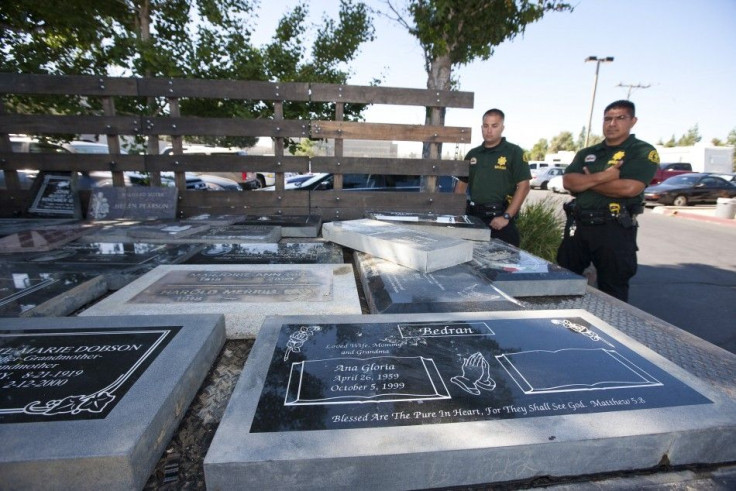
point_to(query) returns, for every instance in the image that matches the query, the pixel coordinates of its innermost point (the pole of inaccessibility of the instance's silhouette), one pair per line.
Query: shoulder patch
(590, 158)
(473, 161)
(654, 157)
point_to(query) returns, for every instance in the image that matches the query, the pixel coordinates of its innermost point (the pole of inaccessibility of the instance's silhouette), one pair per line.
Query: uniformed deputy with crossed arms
(608, 181)
(498, 180)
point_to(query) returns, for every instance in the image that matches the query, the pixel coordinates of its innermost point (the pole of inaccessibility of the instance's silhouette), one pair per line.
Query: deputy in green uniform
(498, 180)
(608, 181)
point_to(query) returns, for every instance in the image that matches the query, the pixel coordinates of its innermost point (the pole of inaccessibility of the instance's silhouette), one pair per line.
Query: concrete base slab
(417, 401)
(421, 251)
(246, 294)
(91, 403)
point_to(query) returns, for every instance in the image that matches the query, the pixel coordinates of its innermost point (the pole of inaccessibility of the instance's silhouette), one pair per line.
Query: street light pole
(598, 62)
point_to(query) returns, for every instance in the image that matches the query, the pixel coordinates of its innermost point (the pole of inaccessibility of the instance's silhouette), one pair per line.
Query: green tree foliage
(690, 138)
(207, 39)
(453, 33)
(563, 141)
(539, 150)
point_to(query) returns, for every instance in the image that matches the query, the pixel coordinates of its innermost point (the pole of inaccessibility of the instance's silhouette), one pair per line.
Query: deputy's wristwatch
(506, 216)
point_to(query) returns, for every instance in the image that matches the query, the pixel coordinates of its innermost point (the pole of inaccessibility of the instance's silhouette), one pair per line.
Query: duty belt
(488, 210)
(624, 215)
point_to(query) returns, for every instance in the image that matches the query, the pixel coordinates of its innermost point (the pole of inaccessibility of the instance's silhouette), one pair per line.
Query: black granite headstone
(120, 263)
(291, 225)
(373, 374)
(42, 239)
(66, 375)
(14, 225)
(392, 289)
(521, 274)
(37, 292)
(55, 195)
(284, 252)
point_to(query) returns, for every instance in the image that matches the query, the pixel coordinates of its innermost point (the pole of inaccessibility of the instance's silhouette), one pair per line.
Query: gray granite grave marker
(411, 248)
(416, 401)
(285, 252)
(135, 202)
(521, 274)
(244, 293)
(393, 289)
(457, 226)
(91, 403)
(35, 292)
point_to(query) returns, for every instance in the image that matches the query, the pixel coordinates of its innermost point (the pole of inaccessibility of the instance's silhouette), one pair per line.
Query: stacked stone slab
(411, 248)
(457, 226)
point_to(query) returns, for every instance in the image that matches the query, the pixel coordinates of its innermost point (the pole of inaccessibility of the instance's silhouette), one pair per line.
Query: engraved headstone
(154, 231)
(14, 225)
(120, 263)
(393, 289)
(55, 195)
(411, 248)
(213, 220)
(166, 231)
(42, 239)
(521, 274)
(417, 401)
(34, 292)
(246, 294)
(135, 202)
(457, 226)
(91, 403)
(285, 252)
(238, 234)
(291, 225)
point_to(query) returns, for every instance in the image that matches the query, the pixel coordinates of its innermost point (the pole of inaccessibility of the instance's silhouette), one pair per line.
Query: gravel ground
(181, 467)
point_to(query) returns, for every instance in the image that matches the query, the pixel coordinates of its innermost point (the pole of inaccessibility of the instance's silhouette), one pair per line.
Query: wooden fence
(333, 204)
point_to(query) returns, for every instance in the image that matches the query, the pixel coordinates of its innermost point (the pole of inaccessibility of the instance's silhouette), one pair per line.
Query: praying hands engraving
(476, 375)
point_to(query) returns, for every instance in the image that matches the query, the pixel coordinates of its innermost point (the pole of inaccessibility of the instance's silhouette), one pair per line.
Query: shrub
(541, 224)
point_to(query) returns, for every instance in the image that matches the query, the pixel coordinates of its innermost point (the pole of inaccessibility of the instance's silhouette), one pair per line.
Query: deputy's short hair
(622, 104)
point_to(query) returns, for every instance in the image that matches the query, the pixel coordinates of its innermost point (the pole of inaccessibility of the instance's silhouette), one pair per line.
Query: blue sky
(682, 49)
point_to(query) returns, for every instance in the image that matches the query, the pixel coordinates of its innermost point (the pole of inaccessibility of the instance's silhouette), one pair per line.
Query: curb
(698, 216)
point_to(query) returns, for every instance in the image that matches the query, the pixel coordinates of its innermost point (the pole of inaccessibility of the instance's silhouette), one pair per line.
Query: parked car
(730, 177)
(537, 166)
(83, 146)
(667, 170)
(247, 180)
(366, 182)
(689, 189)
(25, 144)
(217, 183)
(541, 179)
(555, 185)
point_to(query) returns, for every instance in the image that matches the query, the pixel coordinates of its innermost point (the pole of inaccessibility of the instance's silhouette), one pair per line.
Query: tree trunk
(439, 73)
